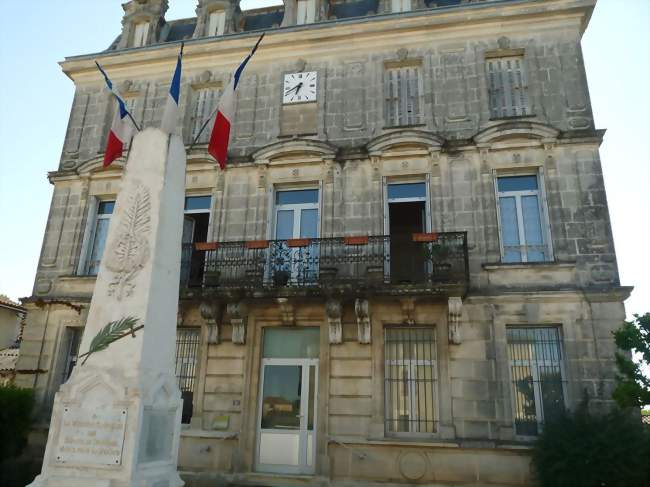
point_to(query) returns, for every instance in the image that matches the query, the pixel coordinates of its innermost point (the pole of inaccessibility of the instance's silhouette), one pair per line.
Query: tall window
(216, 23)
(508, 87)
(140, 34)
(98, 239)
(205, 101)
(195, 229)
(521, 220)
(410, 379)
(400, 6)
(71, 350)
(537, 374)
(402, 86)
(187, 348)
(306, 12)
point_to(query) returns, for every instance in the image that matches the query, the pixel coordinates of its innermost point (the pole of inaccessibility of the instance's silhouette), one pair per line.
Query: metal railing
(419, 260)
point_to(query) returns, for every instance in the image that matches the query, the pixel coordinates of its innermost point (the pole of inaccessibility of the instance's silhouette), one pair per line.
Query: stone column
(116, 422)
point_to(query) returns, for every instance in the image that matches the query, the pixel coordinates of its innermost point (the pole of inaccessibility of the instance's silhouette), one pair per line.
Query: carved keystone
(287, 312)
(361, 309)
(455, 313)
(238, 313)
(333, 310)
(209, 312)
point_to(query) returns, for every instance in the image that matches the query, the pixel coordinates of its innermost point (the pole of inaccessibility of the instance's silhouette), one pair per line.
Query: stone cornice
(325, 37)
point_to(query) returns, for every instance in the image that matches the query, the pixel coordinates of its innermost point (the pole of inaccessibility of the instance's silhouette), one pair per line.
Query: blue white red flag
(122, 127)
(218, 146)
(170, 115)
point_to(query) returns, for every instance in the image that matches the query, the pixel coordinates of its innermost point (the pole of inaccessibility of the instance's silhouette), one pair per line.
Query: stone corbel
(238, 313)
(333, 310)
(287, 312)
(210, 312)
(455, 314)
(361, 309)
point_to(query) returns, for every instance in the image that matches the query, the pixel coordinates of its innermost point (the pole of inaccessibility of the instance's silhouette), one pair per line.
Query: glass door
(286, 434)
(296, 217)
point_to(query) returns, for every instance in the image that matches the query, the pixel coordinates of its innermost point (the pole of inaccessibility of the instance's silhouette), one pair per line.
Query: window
(195, 229)
(72, 342)
(140, 34)
(410, 379)
(205, 101)
(508, 87)
(306, 12)
(100, 231)
(187, 349)
(216, 23)
(402, 86)
(400, 6)
(521, 220)
(537, 374)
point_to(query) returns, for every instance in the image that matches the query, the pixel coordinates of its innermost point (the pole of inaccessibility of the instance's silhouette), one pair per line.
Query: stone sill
(74, 277)
(528, 265)
(402, 442)
(197, 433)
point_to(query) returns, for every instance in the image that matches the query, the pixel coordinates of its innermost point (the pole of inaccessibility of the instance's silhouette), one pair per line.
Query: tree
(633, 388)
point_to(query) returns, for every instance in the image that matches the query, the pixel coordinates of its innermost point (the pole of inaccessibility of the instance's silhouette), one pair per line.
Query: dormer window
(306, 12)
(216, 23)
(140, 34)
(400, 6)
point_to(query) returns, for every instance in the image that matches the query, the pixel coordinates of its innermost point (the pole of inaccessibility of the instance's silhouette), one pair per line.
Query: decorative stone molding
(404, 137)
(333, 311)
(287, 312)
(206, 7)
(238, 314)
(361, 309)
(514, 130)
(408, 310)
(455, 313)
(210, 313)
(137, 11)
(286, 151)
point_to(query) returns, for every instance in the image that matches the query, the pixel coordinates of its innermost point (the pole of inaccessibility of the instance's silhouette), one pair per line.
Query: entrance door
(296, 216)
(406, 213)
(286, 436)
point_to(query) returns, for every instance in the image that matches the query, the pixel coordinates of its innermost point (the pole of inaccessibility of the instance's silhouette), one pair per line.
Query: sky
(35, 101)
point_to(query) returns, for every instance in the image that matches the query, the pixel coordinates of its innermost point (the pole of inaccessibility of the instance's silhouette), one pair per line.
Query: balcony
(416, 264)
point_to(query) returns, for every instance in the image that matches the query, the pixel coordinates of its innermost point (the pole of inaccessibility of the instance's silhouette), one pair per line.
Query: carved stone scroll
(361, 309)
(333, 310)
(209, 312)
(238, 313)
(455, 313)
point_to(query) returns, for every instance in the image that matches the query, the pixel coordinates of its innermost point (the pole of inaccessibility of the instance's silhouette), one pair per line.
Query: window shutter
(507, 86)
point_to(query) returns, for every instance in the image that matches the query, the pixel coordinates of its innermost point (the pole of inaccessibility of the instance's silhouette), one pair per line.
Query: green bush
(15, 419)
(581, 449)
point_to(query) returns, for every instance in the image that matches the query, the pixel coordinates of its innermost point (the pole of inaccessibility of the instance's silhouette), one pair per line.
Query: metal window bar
(537, 373)
(187, 347)
(410, 380)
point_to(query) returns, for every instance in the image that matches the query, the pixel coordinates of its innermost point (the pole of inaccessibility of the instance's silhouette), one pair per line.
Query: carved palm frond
(111, 332)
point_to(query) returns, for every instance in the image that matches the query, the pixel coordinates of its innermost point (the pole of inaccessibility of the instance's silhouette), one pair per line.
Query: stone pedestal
(116, 422)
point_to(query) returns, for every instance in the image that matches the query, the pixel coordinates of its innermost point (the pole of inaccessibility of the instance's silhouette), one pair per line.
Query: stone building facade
(407, 265)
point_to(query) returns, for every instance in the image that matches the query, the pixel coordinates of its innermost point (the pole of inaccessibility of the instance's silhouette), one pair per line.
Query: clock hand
(297, 87)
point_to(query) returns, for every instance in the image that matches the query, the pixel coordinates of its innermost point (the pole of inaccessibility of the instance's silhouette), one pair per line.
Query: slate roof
(354, 9)
(263, 20)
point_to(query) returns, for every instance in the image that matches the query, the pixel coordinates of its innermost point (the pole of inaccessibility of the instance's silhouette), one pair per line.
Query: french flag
(170, 115)
(122, 127)
(218, 146)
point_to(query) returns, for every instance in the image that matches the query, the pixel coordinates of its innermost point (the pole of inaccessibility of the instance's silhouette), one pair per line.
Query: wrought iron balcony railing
(424, 262)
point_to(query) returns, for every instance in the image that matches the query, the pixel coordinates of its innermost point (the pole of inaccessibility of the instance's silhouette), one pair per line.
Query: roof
(8, 359)
(5, 302)
(263, 20)
(353, 9)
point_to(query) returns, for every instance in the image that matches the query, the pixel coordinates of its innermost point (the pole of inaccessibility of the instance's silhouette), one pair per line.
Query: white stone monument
(116, 421)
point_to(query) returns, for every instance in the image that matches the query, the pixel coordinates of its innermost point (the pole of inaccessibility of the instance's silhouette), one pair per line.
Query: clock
(299, 87)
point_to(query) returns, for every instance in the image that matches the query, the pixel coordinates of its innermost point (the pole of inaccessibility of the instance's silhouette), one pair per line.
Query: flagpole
(214, 112)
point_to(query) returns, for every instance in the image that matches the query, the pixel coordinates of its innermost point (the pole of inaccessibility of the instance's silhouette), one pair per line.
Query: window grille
(205, 101)
(410, 379)
(521, 219)
(187, 348)
(508, 87)
(537, 374)
(402, 86)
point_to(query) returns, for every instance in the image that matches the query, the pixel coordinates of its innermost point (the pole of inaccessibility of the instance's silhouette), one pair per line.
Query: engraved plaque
(90, 437)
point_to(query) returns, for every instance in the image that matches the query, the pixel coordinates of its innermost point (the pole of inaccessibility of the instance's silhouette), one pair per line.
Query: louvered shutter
(508, 87)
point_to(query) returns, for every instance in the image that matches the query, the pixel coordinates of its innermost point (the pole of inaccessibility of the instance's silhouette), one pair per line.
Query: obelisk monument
(116, 421)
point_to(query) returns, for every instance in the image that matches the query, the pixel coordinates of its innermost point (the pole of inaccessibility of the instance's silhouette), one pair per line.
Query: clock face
(299, 87)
